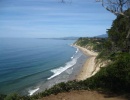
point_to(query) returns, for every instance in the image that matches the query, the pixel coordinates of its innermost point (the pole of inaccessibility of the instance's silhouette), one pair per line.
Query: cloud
(31, 16)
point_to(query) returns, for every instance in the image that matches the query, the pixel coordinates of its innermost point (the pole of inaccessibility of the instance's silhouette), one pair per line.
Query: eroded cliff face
(100, 64)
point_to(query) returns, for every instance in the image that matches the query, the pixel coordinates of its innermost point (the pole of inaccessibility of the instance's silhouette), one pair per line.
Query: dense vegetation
(115, 77)
(95, 44)
(119, 30)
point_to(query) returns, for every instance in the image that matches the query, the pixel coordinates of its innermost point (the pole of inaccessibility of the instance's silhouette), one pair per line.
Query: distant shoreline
(89, 66)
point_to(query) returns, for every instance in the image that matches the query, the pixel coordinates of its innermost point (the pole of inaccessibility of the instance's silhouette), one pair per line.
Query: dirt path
(83, 95)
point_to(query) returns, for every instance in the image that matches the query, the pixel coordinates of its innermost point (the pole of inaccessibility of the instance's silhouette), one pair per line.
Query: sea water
(28, 66)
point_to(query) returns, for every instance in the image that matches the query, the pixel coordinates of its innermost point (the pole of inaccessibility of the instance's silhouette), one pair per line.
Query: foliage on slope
(95, 44)
(115, 77)
(118, 32)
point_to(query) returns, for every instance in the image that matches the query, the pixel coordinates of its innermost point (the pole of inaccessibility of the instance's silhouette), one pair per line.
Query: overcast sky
(51, 18)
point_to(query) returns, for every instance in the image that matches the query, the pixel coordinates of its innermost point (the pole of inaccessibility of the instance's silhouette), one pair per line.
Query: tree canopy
(115, 6)
(118, 32)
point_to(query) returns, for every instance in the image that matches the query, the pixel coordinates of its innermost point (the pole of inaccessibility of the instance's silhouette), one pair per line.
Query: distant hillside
(69, 38)
(76, 38)
(63, 38)
(102, 36)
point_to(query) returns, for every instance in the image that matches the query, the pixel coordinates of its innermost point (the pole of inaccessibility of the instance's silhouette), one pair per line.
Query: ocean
(29, 66)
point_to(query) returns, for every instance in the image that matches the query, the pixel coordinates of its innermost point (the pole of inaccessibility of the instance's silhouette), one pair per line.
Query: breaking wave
(68, 65)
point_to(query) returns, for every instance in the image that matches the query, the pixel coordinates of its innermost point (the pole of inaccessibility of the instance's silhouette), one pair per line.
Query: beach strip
(89, 66)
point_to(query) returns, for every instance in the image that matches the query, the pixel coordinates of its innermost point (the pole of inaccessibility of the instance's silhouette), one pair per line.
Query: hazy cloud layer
(51, 18)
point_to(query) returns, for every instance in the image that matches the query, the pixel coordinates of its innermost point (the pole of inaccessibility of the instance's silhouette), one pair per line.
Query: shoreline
(88, 68)
(79, 75)
(75, 64)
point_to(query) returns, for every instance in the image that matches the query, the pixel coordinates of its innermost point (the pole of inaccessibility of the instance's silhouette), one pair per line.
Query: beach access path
(84, 95)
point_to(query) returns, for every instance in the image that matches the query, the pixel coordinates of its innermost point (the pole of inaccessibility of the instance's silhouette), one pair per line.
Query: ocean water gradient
(26, 62)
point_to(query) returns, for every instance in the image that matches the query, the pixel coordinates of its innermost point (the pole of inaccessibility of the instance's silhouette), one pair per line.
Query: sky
(52, 19)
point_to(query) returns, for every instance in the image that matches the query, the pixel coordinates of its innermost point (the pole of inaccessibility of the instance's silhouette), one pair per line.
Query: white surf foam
(72, 57)
(71, 45)
(69, 71)
(68, 65)
(75, 53)
(58, 71)
(77, 50)
(31, 92)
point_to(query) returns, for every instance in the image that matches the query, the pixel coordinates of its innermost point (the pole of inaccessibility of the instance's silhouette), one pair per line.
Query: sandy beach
(89, 67)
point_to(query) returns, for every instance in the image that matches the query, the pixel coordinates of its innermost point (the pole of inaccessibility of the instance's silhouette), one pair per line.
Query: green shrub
(2, 96)
(12, 97)
(115, 77)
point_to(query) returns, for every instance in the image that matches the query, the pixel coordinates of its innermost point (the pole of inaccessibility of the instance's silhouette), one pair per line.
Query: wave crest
(31, 92)
(68, 65)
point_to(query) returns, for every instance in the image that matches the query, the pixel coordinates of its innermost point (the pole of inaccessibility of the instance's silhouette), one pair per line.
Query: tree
(118, 31)
(118, 7)
(115, 6)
